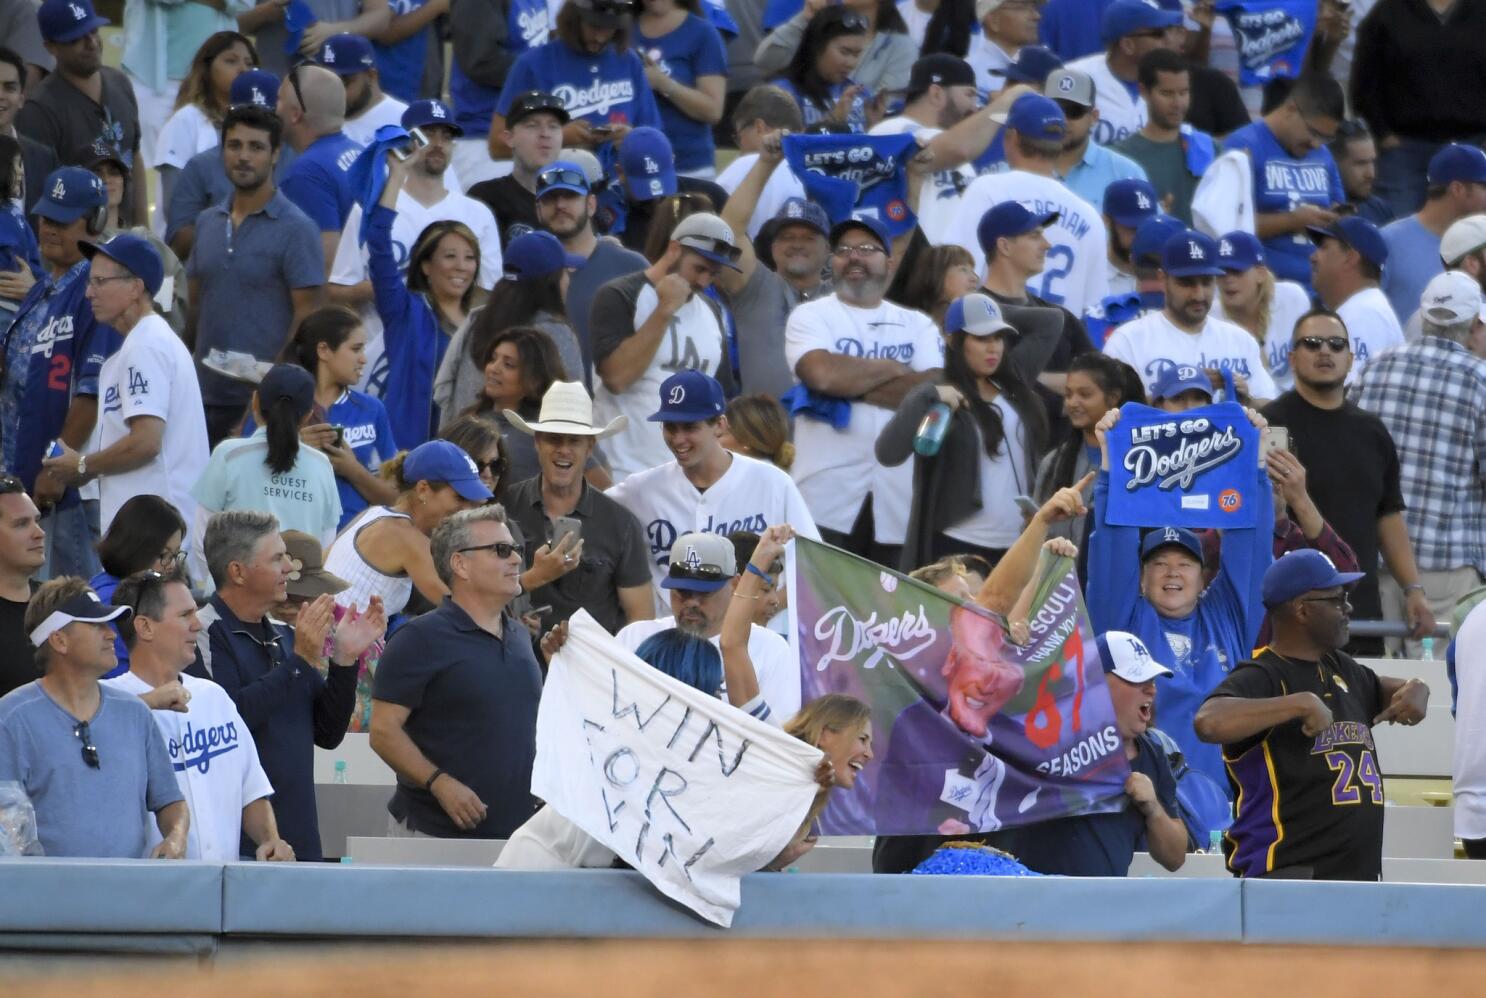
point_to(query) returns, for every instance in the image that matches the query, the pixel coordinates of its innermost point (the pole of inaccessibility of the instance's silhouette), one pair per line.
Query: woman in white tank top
(384, 551)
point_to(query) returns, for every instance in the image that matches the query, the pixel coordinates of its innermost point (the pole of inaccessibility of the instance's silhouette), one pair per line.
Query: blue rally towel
(369, 173)
(1199, 150)
(801, 400)
(1271, 36)
(856, 175)
(718, 16)
(1186, 469)
(297, 17)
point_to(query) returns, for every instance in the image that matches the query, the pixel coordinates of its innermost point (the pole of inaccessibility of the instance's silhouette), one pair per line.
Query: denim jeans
(1401, 175)
(71, 540)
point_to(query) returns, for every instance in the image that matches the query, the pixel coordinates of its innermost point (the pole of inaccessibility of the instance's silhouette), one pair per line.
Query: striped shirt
(345, 560)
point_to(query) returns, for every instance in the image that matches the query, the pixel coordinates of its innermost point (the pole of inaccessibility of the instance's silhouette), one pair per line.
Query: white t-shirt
(215, 761)
(999, 523)
(1469, 766)
(916, 19)
(751, 495)
(1076, 272)
(773, 663)
(989, 61)
(1119, 282)
(152, 375)
(779, 188)
(1290, 302)
(1121, 114)
(837, 469)
(362, 129)
(939, 200)
(187, 132)
(1372, 326)
(1151, 344)
(350, 266)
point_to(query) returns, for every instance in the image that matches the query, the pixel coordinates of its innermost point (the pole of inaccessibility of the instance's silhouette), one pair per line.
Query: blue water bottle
(931, 432)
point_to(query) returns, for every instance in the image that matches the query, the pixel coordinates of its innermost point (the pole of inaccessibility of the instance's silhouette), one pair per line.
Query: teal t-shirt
(187, 26)
(304, 498)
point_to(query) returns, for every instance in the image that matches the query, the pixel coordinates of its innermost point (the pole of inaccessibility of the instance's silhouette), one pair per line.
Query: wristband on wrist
(428, 785)
(754, 569)
(1412, 586)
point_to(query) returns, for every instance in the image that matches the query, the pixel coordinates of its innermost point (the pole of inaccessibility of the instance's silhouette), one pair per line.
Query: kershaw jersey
(751, 495)
(1076, 272)
(1151, 344)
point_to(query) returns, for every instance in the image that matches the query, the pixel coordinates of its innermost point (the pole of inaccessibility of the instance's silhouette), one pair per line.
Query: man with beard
(649, 325)
(1184, 332)
(1346, 269)
(534, 133)
(254, 246)
(312, 107)
(1296, 729)
(1356, 156)
(862, 354)
(1174, 156)
(1085, 167)
(1355, 486)
(367, 108)
(1127, 205)
(565, 208)
(701, 579)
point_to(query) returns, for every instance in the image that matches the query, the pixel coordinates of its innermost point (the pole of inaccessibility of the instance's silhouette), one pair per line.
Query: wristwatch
(1412, 586)
(82, 467)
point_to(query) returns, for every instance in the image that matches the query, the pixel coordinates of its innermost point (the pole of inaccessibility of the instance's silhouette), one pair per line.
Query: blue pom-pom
(973, 862)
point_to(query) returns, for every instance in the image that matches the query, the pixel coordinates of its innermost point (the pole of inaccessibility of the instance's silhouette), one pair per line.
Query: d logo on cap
(677, 396)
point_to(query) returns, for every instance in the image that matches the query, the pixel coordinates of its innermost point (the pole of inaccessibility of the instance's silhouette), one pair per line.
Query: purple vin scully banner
(970, 732)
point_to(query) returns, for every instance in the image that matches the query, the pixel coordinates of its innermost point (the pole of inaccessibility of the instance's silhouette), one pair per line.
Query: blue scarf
(1271, 37)
(369, 173)
(1187, 469)
(856, 175)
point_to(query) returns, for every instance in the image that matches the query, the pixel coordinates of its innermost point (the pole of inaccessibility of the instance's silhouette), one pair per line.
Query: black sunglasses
(1073, 111)
(1337, 344)
(534, 101)
(502, 549)
(575, 178)
(90, 751)
(294, 83)
(699, 573)
(1339, 600)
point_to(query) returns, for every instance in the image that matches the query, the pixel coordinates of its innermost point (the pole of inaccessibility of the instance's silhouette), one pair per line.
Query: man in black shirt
(22, 553)
(534, 133)
(1296, 730)
(1351, 466)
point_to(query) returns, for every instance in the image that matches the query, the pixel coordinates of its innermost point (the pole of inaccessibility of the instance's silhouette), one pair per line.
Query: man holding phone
(584, 549)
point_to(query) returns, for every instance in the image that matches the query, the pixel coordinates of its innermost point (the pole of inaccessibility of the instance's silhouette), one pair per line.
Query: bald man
(312, 104)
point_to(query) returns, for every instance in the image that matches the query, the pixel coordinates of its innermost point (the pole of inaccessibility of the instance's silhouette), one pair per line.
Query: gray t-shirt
(22, 33)
(272, 252)
(608, 261)
(760, 312)
(271, 37)
(63, 118)
(82, 811)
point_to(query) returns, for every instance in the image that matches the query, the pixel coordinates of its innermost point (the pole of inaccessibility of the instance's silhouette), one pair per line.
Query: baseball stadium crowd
(348, 348)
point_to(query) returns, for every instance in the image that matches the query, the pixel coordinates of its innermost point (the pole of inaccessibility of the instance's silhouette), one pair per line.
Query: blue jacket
(1201, 648)
(412, 338)
(288, 706)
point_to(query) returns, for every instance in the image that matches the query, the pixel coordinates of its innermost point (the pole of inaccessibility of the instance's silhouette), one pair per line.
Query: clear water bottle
(340, 772)
(1215, 841)
(1428, 648)
(930, 435)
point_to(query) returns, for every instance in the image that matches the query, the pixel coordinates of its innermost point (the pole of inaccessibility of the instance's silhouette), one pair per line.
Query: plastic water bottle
(931, 432)
(340, 772)
(1428, 646)
(1215, 841)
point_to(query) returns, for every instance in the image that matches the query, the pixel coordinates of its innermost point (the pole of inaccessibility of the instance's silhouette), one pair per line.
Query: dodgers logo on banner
(856, 175)
(1191, 469)
(1271, 36)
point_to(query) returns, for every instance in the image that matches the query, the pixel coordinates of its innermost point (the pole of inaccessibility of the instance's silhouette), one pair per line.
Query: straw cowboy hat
(567, 409)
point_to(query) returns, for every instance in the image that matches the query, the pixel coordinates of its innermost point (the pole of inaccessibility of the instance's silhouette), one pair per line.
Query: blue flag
(856, 175)
(1185, 469)
(1271, 36)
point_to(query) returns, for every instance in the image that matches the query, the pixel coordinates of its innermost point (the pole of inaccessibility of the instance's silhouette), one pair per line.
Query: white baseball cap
(1126, 656)
(1462, 239)
(1451, 297)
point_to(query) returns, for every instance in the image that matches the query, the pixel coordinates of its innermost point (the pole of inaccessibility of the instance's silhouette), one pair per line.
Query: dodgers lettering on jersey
(197, 747)
(662, 533)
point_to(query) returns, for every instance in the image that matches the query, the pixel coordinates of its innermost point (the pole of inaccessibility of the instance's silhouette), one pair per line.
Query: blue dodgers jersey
(528, 23)
(603, 88)
(320, 183)
(692, 50)
(1271, 36)
(856, 175)
(1280, 183)
(400, 65)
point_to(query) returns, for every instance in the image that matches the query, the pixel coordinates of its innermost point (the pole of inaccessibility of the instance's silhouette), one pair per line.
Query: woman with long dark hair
(520, 364)
(196, 123)
(887, 56)
(147, 533)
(819, 74)
(964, 493)
(940, 274)
(530, 292)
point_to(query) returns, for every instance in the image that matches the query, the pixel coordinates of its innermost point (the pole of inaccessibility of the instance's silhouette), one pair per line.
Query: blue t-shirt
(1281, 181)
(856, 118)
(1413, 259)
(17, 241)
(528, 24)
(319, 183)
(694, 49)
(609, 87)
(1071, 27)
(400, 65)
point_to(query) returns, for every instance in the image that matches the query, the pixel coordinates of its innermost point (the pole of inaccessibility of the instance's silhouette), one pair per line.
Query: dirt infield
(862, 969)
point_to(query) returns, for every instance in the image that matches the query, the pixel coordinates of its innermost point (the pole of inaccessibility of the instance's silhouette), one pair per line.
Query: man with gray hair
(1432, 397)
(312, 106)
(459, 726)
(271, 670)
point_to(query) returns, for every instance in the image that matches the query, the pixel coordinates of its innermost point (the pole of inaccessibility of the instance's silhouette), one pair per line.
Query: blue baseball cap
(799, 211)
(872, 225)
(1124, 655)
(1239, 251)
(136, 255)
(1170, 537)
(68, 20)
(689, 397)
(1181, 378)
(1357, 233)
(1126, 17)
(68, 194)
(537, 254)
(1036, 117)
(1130, 202)
(346, 55)
(1190, 253)
(562, 175)
(1151, 236)
(978, 315)
(1298, 572)
(255, 86)
(649, 164)
(291, 382)
(1457, 161)
(1009, 219)
(422, 113)
(441, 461)
(1031, 65)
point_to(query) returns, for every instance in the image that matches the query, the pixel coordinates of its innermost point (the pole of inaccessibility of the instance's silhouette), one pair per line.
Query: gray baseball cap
(1072, 85)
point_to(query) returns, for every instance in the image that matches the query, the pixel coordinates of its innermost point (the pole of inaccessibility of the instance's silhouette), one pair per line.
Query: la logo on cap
(1225, 248)
(1194, 250)
(693, 558)
(59, 189)
(328, 55)
(1141, 201)
(1171, 535)
(78, 14)
(651, 166)
(1138, 650)
(436, 109)
(474, 468)
(258, 96)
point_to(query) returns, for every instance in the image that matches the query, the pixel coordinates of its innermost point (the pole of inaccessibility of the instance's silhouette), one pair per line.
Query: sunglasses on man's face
(1336, 344)
(502, 549)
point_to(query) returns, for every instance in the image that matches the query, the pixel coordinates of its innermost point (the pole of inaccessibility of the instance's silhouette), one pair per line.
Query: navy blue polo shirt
(319, 182)
(472, 699)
